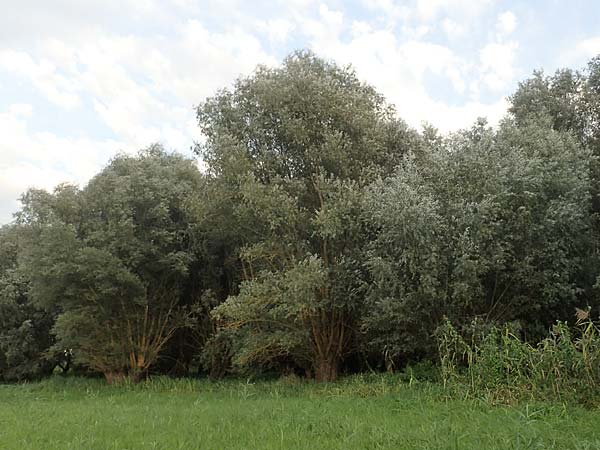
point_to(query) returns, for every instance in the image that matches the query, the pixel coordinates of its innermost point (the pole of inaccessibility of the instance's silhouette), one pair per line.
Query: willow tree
(570, 101)
(293, 146)
(117, 260)
(495, 226)
(24, 327)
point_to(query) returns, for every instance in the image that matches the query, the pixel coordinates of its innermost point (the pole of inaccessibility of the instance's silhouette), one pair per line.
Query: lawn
(373, 412)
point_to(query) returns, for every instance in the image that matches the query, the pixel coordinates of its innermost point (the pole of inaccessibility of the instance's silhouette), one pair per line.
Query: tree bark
(327, 368)
(114, 377)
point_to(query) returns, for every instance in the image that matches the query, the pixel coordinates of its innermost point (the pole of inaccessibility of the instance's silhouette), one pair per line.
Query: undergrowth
(499, 366)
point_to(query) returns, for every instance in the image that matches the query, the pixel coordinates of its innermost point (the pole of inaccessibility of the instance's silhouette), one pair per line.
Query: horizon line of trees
(326, 236)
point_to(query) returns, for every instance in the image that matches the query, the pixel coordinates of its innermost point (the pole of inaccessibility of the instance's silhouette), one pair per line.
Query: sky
(84, 80)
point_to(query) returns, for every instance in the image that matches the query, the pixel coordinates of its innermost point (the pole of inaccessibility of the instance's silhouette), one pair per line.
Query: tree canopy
(299, 143)
(322, 236)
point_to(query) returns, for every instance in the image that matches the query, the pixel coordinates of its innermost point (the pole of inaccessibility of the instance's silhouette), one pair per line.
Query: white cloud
(140, 68)
(359, 27)
(392, 11)
(325, 29)
(591, 46)
(497, 64)
(415, 32)
(507, 23)
(144, 88)
(453, 29)
(277, 30)
(44, 75)
(398, 69)
(331, 17)
(42, 160)
(298, 4)
(582, 51)
(139, 87)
(17, 110)
(428, 10)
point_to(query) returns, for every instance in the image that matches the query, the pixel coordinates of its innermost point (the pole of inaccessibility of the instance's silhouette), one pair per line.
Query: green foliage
(306, 116)
(557, 97)
(24, 327)
(499, 364)
(293, 147)
(491, 224)
(325, 236)
(114, 259)
(568, 98)
(270, 315)
(570, 101)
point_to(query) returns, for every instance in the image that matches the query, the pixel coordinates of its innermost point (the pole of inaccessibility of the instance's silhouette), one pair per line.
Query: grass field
(373, 412)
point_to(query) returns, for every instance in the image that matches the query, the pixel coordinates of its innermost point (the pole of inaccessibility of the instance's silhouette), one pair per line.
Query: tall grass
(499, 365)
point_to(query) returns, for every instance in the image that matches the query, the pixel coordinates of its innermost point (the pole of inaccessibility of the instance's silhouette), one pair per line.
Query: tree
(570, 100)
(494, 225)
(557, 97)
(116, 260)
(25, 337)
(294, 146)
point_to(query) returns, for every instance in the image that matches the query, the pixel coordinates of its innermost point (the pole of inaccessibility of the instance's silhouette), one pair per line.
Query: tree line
(323, 235)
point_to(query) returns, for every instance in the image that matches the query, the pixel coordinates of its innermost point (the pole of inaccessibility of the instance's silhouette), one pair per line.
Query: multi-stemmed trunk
(330, 339)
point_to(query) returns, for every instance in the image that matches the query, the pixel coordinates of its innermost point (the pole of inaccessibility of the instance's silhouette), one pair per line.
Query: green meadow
(361, 412)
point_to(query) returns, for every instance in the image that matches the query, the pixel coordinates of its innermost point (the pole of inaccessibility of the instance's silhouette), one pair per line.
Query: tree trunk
(113, 377)
(327, 368)
(138, 375)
